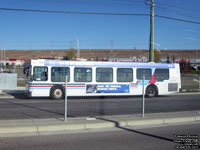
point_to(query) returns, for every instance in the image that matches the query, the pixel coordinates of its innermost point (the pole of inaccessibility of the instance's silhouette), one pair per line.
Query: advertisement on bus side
(107, 88)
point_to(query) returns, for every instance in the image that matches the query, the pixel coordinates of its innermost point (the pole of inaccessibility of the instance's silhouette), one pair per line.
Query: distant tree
(71, 54)
(65, 58)
(156, 55)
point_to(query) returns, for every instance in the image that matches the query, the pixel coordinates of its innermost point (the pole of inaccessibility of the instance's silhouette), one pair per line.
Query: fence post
(66, 99)
(143, 97)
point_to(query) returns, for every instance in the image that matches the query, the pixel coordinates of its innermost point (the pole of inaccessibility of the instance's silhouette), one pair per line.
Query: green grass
(21, 83)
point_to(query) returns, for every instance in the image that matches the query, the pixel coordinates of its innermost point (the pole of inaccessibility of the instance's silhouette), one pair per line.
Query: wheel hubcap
(151, 92)
(58, 93)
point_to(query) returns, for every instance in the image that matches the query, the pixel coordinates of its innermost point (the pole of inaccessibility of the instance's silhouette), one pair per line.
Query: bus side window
(58, 74)
(82, 74)
(124, 75)
(104, 75)
(146, 72)
(162, 74)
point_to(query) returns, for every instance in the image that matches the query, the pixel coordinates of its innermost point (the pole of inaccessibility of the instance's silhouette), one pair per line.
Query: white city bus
(46, 78)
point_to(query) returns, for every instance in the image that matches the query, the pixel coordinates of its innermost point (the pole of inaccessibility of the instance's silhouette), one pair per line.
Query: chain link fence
(190, 82)
(17, 105)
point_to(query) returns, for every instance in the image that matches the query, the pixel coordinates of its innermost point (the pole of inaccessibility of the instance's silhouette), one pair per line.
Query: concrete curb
(179, 119)
(5, 96)
(190, 90)
(39, 126)
(145, 122)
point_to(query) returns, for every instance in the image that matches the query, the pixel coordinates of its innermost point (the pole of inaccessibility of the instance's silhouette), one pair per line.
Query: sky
(37, 30)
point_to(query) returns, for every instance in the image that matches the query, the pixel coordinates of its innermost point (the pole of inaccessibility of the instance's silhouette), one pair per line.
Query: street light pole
(78, 49)
(51, 47)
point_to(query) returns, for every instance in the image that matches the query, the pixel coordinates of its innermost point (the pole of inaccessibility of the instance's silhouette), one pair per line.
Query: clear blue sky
(34, 30)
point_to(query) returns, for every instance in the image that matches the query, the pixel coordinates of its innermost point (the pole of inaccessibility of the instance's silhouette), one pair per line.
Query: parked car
(5, 71)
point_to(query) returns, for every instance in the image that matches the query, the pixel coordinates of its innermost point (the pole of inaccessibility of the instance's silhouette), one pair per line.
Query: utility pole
(111, 45)
(151, 49)
(90, 46)
(51, 48)
(78, 50)
(30, 45)
(4, 53)
(71, 44)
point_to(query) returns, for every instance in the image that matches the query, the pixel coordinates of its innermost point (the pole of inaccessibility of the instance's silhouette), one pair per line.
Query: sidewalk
(9, 127)
(5, 95)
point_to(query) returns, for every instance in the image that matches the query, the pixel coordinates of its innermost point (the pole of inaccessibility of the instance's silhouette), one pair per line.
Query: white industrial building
(12, 62)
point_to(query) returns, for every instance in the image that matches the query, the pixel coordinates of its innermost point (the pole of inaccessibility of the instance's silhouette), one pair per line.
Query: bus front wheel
(57, 93)
(151, 91)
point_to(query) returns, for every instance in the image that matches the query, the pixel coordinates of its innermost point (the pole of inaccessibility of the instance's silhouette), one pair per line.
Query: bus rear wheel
(151, 91)
(57, 93)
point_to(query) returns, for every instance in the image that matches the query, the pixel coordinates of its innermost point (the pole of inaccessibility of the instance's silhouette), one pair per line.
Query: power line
(179, 13)
(72, 12)
(129, 1)
(188, 12)
(95, 13)
(172, 6)
(177, 19)
(102, 3)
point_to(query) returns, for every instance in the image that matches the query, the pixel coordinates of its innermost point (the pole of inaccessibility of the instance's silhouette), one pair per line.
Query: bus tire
(57, 93)
(151, 91)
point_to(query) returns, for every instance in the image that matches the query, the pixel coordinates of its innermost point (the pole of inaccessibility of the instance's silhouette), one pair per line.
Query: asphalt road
(20, 108)
(163, 137)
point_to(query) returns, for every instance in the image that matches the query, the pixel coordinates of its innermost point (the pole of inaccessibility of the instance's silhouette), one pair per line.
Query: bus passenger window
(58, 74)
(124, 75)
(104, 75)
(146, 72)
(162, 74)
(40, 73)
(83, 74)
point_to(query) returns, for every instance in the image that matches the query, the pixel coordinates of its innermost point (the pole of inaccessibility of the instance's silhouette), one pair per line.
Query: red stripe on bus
(40, 85)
